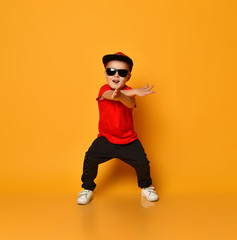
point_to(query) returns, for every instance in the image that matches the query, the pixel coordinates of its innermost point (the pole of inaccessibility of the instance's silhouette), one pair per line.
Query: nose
(116, 74)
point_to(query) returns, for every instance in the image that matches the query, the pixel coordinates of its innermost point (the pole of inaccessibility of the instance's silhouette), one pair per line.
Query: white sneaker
(149, 193)
(85, 196)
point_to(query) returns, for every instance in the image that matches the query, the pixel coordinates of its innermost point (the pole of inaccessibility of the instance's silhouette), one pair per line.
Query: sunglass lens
(110, 71)
(123, 72)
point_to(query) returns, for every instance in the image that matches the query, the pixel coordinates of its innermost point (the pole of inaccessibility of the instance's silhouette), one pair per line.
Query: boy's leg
(134, 154)
(100, 151)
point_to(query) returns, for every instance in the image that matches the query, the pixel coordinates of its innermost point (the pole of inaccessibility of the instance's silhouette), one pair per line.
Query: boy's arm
(141, 92)
(126, 96)
(117, 95)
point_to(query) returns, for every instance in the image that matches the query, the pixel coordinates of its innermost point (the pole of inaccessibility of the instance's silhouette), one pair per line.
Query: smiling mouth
(115, 81)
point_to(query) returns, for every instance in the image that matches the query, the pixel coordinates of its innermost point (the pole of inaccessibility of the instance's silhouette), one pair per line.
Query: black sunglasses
(121, 72)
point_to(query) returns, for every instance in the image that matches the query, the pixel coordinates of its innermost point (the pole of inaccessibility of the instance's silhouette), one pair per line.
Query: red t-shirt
(116, 120)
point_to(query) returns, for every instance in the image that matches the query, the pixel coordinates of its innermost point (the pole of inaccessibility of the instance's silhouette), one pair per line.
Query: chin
(114, 86)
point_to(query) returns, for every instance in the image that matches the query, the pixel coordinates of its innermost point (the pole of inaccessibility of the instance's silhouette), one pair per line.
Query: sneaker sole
(86, 202)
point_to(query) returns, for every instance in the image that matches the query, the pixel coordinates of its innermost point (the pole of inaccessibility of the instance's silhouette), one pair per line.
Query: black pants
(102, 150)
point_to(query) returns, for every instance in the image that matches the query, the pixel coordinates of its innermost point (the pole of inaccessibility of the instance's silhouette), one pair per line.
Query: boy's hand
(141, 92)
(116, 94)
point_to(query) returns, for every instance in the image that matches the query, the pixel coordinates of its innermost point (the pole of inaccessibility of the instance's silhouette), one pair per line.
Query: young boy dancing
(117, 138)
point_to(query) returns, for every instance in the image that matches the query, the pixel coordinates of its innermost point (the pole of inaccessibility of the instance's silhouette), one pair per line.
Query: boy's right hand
(116, 94)
(141, 92)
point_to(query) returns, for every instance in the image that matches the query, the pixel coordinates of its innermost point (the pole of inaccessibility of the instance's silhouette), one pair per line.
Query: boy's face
(117, 81)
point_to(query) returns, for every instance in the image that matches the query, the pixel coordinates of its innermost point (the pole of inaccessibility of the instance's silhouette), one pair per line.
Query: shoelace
(83, 192)
(150, 189)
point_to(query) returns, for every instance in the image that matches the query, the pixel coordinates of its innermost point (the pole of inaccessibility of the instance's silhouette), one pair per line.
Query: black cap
(118, 56)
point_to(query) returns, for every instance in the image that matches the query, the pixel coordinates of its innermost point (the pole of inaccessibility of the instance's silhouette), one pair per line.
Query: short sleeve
(103, 89)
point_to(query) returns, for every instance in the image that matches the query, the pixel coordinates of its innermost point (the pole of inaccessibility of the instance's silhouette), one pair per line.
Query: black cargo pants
(102, 150)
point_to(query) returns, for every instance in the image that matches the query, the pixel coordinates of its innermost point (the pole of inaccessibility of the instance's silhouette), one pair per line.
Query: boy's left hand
(141, 92)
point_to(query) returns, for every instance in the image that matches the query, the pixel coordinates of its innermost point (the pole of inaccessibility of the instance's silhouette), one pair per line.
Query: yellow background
(51, 71)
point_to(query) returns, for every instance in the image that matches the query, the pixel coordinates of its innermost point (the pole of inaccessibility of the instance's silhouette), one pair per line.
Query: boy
(117, 138)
